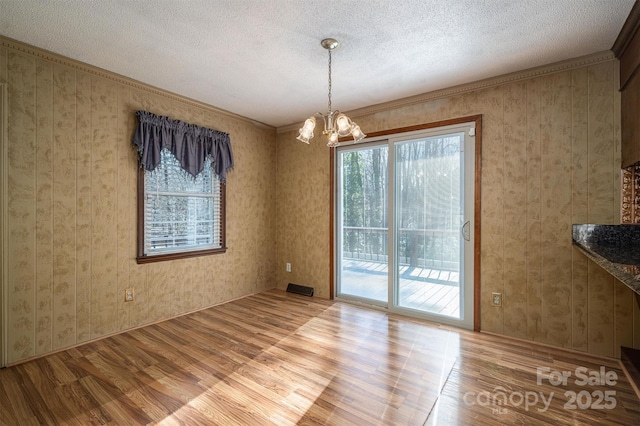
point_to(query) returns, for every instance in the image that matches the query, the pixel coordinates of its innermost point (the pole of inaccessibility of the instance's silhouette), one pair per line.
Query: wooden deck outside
(425, 289)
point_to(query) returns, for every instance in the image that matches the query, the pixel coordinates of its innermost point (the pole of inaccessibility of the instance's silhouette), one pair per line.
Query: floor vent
(300, 289)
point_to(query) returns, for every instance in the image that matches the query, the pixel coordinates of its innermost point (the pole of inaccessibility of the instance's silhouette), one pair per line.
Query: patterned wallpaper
(71, 208)
(550, 158)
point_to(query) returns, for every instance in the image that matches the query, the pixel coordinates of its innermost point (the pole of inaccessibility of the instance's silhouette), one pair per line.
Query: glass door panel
(429, 202)
(362, 219)
(404, 220)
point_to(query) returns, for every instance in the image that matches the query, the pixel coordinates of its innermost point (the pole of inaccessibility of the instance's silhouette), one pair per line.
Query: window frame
(142, 257)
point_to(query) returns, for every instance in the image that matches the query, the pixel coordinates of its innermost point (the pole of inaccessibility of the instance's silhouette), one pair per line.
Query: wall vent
(300, 289)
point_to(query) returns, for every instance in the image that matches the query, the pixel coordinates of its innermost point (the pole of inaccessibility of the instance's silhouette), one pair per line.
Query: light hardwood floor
(277, 358)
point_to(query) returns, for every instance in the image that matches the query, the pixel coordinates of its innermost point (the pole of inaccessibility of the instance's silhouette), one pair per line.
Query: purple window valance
(190, 144)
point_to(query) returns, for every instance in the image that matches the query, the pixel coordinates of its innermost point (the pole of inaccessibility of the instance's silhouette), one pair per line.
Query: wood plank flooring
(277, 358)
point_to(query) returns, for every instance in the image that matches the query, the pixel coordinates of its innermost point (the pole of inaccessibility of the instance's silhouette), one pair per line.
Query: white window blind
(181, 213)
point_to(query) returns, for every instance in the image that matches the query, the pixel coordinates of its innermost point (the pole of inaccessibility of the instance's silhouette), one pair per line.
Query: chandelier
(336, 124)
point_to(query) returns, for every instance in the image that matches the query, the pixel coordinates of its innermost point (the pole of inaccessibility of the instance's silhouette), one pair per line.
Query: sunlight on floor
(391, 372)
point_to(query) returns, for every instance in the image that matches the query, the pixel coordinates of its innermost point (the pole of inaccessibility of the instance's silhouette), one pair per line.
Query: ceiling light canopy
(336, 124)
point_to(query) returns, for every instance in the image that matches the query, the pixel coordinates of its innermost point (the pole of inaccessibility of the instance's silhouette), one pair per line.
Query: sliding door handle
(466, 231)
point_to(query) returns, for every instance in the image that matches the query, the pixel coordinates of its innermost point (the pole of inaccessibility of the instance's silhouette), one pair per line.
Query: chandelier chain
(329, 80)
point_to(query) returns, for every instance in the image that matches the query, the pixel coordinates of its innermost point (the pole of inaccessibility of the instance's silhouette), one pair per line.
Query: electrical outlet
(128, 295)
(288, 267)
(496, 299)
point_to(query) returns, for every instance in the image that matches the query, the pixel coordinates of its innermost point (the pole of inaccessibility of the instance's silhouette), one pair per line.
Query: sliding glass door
(429, 208)
(363, 223)
(404, 218)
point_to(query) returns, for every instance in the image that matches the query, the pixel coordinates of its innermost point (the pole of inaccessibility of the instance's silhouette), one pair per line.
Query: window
(181, 188)
(179, 215)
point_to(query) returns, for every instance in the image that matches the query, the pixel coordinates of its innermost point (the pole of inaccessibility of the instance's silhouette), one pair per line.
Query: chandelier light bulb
(309, 125)
(344, 124)
(357, 133)
(306, 132)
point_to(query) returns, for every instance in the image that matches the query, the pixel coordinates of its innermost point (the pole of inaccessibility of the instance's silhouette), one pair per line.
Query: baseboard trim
(612, 360)
(106, 336)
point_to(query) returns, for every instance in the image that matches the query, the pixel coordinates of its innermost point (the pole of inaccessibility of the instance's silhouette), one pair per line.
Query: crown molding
(555, 67)
(118, 78)
(412, 100)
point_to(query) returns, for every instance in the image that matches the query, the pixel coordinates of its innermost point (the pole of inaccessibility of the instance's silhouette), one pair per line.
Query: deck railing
(416, 247)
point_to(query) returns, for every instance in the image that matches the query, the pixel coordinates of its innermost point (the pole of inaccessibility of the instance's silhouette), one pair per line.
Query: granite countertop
(616, 248)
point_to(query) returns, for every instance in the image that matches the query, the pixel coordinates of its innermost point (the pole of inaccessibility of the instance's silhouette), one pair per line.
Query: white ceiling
(263, 59)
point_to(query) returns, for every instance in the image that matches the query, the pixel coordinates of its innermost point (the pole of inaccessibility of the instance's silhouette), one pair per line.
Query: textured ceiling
(263, 59)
